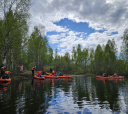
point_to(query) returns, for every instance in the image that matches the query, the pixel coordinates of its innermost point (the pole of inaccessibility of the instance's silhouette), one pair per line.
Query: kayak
(50, 76)
(40, 78)
(64, 76)
(5, 80)
(111, 77)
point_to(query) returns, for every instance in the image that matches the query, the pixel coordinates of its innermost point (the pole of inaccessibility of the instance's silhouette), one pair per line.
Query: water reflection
(79, 95)
(114, 80)
(4, 86)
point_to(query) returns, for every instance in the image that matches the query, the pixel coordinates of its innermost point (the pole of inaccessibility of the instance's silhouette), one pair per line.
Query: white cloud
(110, 15)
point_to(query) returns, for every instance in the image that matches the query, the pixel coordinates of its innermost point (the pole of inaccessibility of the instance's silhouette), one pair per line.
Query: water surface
(78, 95)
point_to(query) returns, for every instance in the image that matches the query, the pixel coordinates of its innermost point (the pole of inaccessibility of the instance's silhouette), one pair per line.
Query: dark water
(78, 95)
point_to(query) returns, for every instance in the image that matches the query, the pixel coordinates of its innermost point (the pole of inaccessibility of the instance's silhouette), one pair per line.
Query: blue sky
(79, 27)
(86, 22)
(72, 26)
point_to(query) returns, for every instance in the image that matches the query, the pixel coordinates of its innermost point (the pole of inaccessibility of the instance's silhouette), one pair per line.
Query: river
(78, 95)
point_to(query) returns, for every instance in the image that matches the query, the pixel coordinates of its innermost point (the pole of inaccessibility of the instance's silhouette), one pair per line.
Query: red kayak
(64, 76)
(111, 77)
(38, 77)
(51, 76)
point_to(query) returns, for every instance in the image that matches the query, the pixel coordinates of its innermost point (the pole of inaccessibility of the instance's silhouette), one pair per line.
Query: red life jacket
(103, 74)
(53, 73)
(7, 72)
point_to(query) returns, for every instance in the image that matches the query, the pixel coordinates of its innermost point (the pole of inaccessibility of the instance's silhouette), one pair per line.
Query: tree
(50, 56)
(124, 48)
(98, 60)
(79, 55)
(85, 56)
(109, 57)
(91, 60)
(13, 25)
(39, 51)
(35, 45)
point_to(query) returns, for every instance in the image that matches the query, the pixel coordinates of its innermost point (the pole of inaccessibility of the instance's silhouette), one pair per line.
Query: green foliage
(109, 57)
(98, 60)
(18, 48)
(13, 29)
(39, 52)
(124, 48)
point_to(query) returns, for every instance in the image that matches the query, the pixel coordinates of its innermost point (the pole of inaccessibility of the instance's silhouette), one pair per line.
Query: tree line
(17, 47)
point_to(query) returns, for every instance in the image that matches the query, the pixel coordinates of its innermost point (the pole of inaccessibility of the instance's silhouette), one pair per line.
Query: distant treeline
(34, 50)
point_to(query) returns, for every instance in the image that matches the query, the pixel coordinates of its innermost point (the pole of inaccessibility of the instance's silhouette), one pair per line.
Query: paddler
(105, 75)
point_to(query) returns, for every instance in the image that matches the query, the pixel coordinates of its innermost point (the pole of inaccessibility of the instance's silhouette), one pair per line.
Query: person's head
(53, 71)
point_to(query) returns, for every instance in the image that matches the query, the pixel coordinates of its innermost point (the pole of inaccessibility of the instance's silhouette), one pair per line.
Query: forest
(19, 48)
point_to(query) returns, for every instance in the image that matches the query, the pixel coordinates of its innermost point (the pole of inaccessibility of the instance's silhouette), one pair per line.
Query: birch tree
(13, 21)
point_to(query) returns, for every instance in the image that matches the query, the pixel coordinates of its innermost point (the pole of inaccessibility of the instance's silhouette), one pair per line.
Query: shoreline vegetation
(28, 74)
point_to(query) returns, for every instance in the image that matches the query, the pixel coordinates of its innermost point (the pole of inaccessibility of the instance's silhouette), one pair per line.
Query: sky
(67, 23)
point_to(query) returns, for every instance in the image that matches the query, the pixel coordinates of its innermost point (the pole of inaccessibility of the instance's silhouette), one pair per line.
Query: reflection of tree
(82, 90)
(123, 96)
(9, 98)
(21, 98)
(107, 91)
(86, 90)
(38, 98)
(64, 84)
(43, 92)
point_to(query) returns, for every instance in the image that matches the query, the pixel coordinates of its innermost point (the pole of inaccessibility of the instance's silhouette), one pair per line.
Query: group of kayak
(50, 76)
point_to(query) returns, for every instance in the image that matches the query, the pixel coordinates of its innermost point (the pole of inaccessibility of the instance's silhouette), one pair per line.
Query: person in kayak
(39, 74)
(51, 70)
(43, 73)
(105, 75)
(60, 74)
(53, 73)
(7, 74)
(115, 75)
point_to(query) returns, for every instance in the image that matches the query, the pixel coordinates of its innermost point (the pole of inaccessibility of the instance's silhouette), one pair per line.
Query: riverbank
(29, 74)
